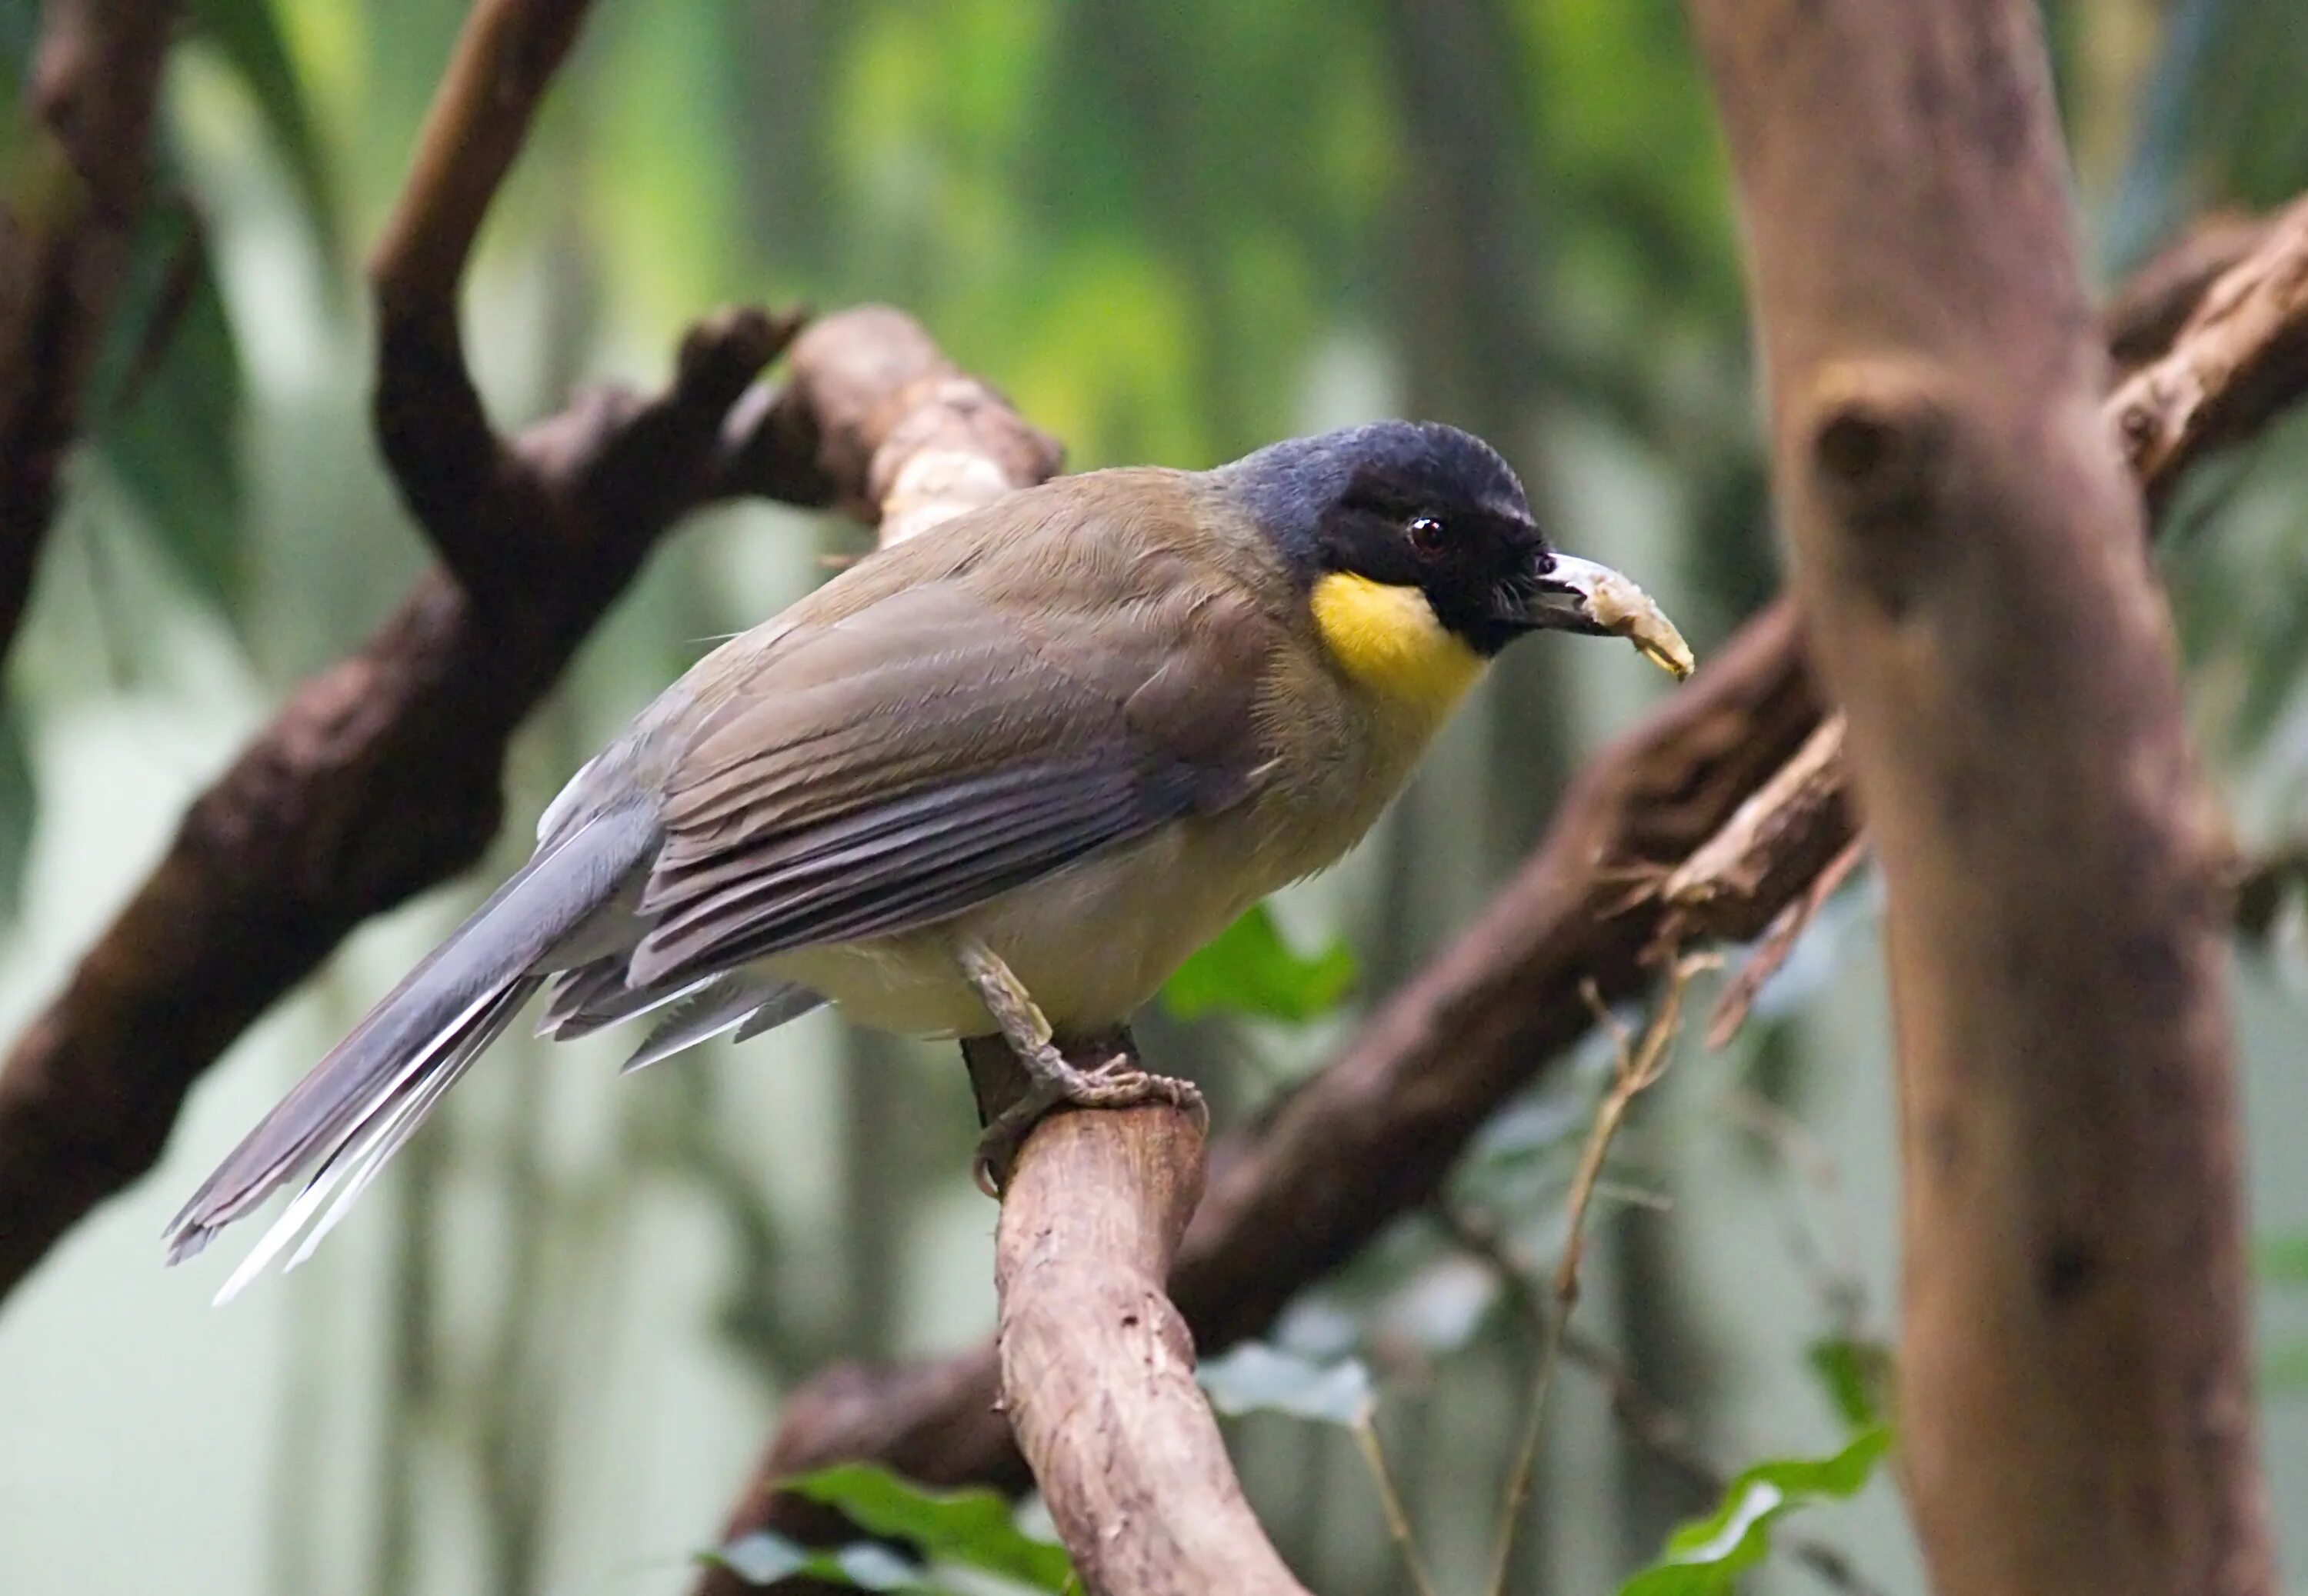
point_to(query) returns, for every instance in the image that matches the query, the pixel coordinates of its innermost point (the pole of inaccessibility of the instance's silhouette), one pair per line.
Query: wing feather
(915, 759)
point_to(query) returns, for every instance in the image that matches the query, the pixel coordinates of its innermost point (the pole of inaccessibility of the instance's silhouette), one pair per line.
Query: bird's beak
(1578, 595)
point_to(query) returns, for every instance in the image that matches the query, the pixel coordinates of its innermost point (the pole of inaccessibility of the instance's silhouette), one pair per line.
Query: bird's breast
(1092, 942)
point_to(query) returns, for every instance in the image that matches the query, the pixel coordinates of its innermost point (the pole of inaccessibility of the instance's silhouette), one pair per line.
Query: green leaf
(166, 408)
(1703, 1555)
(1258, 1379)
(2284, 1368)
(766, 1557)
(1854, 1374)
(247, 33)
(976, 1528)
(19, 800)
(2283, 1260)
(1251, 970)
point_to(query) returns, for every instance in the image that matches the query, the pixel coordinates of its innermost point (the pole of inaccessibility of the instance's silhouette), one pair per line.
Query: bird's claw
(1116, 1083)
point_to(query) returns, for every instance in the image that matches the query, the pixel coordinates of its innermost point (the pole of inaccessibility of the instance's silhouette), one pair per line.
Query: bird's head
(1421, 559)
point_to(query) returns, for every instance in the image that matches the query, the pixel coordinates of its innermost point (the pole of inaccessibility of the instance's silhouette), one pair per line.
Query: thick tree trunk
(2075, 1402)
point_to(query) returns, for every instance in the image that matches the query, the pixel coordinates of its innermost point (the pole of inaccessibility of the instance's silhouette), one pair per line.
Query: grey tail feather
(375, 1084)
(594, 996)
(747, 1005)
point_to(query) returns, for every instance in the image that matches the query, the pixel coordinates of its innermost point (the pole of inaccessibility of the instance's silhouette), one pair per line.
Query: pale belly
(1091, 943)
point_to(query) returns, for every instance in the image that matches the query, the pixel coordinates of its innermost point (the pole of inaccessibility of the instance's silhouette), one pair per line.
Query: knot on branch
(1878, 434)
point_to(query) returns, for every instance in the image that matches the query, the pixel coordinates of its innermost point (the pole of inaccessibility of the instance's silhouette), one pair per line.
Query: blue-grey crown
(1290, 486)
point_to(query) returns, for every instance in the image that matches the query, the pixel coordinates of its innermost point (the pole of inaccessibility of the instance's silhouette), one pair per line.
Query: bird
(1000, 778)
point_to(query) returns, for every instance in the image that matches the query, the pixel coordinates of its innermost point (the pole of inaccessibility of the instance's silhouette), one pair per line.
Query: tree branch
(77, 187)
(1097, 1367)
(2075, 1394)
(488, 511)
(1372, 1136)
(2241, 354)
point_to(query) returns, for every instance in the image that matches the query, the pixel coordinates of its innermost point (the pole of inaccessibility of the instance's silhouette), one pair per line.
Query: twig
(489, 513)
(1636, 1066)
(1650, 1423)
(2240, 355)
(1838, 1281)
(1773, 844)
(2144, 316)
(1398, 1518)
(1653, 1426)
(1737, 998)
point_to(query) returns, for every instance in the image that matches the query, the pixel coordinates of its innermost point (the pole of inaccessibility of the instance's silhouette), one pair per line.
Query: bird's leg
(1052, 1080)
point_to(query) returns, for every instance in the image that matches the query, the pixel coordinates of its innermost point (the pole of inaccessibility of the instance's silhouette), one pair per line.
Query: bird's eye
(1427, 534)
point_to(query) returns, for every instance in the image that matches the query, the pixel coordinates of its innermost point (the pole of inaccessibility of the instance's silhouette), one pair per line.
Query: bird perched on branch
(1001, 778)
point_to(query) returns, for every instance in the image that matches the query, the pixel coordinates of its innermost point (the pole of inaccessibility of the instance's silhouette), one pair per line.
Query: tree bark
(2074, 1390)
(1096, 1365)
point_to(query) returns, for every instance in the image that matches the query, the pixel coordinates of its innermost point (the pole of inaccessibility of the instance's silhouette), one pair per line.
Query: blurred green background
(543, 1357)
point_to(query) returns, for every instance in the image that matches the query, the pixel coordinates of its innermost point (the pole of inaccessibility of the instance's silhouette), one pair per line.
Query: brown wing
(908, 761)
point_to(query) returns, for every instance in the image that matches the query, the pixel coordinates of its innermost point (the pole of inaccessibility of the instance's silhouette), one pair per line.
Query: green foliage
(766, 1557)
(1704, 1556)
(2283, 1264)
(1251, 970)
(1856, 1375)
(973, 1529)
(18, 798)
(2283, 1260)
(165, 405)
(247, 35)
(1256, 1378)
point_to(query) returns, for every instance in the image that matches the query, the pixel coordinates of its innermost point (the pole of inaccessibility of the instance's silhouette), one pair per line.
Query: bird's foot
(1052, 1080)
(1057, 1083)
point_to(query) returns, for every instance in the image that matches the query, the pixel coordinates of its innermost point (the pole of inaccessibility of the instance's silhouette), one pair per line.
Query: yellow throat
(1388, 638)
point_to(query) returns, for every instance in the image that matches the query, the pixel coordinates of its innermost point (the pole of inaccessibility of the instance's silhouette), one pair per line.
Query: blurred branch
(2145, 314)
(2241, 356)
(381, 776)
(1775, 842)
(76, 183)
(488, 512)
(2265, 884)
(1373, 1135)
(1968, 552)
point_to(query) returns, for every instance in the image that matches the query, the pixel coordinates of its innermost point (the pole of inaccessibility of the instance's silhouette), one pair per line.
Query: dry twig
(1648, 1422)
(1637, 1064)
